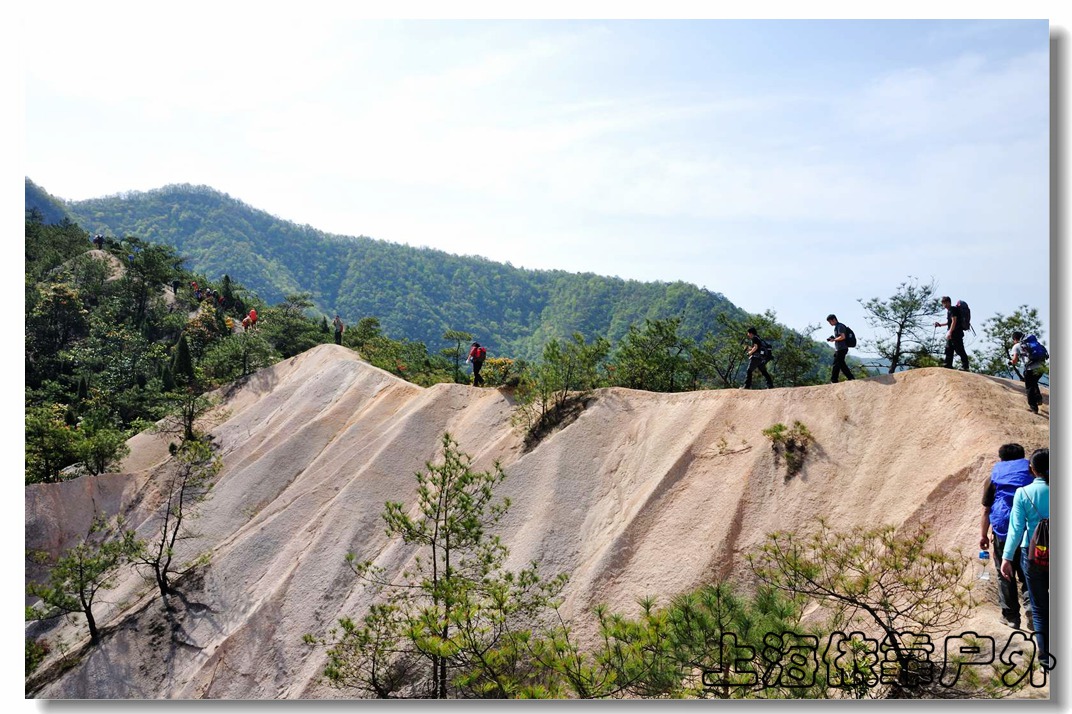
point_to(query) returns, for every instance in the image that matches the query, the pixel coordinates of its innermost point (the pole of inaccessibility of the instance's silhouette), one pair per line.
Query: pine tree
(182, 367)
(456, 614)
(226, 291)
(81, 573)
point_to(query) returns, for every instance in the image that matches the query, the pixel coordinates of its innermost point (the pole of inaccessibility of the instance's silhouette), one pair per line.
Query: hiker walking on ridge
(956, 320)
(339, 328)
(843, 338)
(1008, 474)
(759, 354)
(98, 240)
(1031, 351)
(1030, 505)
(477, 354)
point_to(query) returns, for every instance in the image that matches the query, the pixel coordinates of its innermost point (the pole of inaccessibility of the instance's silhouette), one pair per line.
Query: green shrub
(790, 443)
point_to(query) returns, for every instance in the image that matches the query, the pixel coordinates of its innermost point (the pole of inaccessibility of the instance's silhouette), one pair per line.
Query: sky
(791, 165)
(796, 166)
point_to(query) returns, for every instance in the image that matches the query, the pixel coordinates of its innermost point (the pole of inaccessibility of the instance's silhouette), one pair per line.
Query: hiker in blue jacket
(1033, 368)
(1008, 474)
(1030, 504)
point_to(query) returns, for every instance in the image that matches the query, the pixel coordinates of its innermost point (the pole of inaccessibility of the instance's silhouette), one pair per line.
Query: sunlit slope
(645, 494)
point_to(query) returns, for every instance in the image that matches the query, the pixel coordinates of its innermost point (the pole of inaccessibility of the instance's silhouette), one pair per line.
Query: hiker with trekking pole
(957, 319)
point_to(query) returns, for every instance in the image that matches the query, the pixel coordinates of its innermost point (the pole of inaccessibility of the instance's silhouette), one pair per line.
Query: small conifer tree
(182, 367)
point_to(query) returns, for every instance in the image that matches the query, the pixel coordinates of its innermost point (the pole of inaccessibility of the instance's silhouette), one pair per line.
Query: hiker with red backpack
(1034, 355)
(477, 355)
(1029, 529)
(957, 319)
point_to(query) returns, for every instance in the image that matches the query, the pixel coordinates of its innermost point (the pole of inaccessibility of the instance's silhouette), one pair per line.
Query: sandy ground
(645, 494)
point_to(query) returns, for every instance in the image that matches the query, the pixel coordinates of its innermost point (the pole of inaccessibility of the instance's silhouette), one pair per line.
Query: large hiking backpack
(1038, 550)
(1035, 349)
(850, 337)
(965, 316)
(766, 351)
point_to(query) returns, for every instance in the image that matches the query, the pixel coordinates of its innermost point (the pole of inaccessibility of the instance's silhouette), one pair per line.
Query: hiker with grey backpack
(1034, 356)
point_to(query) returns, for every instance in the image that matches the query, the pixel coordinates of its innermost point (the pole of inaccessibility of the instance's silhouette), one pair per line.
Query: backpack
(1038, 550)
(766, 351)
(850, 336)
(1035, 349)
(965, 316)
(481, 353)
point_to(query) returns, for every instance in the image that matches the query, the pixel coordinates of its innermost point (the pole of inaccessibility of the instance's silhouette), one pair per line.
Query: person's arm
(1017, 526)
(984, 524)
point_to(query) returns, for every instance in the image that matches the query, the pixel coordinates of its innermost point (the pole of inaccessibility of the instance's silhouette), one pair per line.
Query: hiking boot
(1014, 624)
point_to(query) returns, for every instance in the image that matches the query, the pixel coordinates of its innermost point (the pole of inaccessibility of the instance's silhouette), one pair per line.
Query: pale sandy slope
(645, 494)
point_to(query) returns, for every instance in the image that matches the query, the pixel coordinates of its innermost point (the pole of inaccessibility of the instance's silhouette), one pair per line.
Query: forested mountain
(50, 210)
(418, 293)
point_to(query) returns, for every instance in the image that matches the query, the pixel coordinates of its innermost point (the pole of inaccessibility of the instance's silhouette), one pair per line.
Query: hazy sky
(793, 165)
(789, 165)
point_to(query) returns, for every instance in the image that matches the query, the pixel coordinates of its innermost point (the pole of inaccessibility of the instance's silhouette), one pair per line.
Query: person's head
(752, 331)
(475, 344)
(1040, 464)
(831, 318)
(946, 302)
(1010, 452)
(1017, 336)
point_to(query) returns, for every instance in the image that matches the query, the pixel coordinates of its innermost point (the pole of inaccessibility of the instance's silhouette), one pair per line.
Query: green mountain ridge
(417, 293)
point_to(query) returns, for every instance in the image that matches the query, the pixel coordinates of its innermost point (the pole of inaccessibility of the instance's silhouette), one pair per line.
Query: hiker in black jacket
(758, 355)
(841, 349)
(954, 338)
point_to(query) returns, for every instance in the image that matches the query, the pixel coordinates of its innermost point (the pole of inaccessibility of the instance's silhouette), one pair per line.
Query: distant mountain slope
(416, 293)
(644, 495)
(51, 209)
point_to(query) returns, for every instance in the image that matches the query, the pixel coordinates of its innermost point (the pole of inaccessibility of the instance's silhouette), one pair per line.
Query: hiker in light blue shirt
(1030, 504)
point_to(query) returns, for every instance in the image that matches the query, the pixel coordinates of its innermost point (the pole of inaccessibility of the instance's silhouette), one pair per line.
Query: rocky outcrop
(644, 494)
